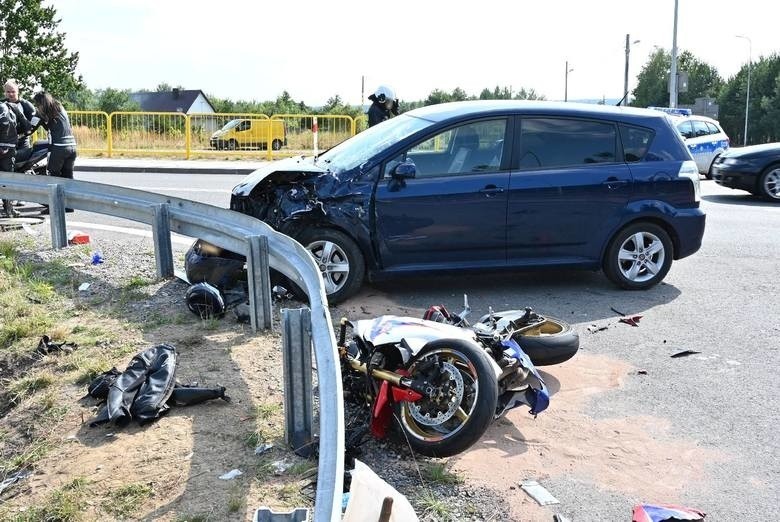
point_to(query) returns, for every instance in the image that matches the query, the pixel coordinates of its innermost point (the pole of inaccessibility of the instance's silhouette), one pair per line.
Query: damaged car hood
(297, 167)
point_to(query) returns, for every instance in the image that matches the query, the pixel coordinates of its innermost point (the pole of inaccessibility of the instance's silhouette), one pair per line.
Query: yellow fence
(209, 134)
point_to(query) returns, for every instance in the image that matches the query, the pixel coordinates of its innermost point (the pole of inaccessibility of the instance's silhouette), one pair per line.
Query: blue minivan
(483, 185)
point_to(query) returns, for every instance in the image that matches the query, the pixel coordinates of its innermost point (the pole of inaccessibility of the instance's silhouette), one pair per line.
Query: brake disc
(424, 417)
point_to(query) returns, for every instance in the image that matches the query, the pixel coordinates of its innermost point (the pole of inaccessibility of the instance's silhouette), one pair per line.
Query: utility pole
(625, 76)
(747, 97)
(566, 82)
(673, 71)
(362, 91)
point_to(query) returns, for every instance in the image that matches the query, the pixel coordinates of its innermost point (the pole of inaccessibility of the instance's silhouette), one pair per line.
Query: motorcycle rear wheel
(551, 342)
(466, 393)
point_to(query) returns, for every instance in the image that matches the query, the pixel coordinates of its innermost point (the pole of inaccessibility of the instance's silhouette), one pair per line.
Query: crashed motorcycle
(31, 160)
(444, 381)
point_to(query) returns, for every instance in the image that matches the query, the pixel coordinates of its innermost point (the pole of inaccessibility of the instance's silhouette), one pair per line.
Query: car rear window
(712, 128)
(561, 142)
(636, 142)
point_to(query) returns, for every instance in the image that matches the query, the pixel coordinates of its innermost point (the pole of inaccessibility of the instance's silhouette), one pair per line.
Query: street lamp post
(673, 71)
(566, 82)
(625, 78)
(747, 96)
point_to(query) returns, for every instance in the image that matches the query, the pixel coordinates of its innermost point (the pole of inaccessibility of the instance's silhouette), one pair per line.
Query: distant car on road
(755, 169)
(703, 136)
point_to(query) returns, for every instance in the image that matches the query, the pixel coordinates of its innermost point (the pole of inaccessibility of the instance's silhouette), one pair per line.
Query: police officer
(383, 107)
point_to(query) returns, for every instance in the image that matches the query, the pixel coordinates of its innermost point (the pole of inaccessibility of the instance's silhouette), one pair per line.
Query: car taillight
(689, 170)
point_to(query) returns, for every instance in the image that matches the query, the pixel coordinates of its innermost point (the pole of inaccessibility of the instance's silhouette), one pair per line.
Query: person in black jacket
(383, 107)
(11, 122)
(11, 90)
(54, 118)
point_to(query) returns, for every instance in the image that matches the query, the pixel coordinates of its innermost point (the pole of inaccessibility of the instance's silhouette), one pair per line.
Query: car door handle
(614, 182)
(492, 189)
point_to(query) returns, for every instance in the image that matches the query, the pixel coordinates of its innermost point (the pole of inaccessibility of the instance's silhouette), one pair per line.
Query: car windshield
(229, 125)
(362, 147)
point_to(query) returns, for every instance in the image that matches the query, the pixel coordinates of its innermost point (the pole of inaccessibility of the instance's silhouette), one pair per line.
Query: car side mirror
(405, 170)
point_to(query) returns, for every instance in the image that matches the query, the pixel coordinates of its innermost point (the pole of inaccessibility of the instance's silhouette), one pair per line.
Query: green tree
(115, 100)
(653, 81)
(764, 123)
(32, 51)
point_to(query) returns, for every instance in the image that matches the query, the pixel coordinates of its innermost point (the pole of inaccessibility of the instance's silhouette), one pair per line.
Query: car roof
(678, 119)
(445, 111)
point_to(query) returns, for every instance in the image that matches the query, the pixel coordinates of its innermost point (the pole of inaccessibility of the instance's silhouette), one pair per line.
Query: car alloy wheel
(641, 257)
(770, 183)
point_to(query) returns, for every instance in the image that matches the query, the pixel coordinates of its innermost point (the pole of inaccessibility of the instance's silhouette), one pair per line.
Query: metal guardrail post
(161, 232)
(258, 270)
(59, 234)
(296, 363)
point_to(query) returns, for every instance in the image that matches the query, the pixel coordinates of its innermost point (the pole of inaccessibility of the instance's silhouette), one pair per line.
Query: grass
(65, 504)
(437, 473)
(32, 453)
(268, 410)
(29, 384)
(236, 500)
(136, 282)
(434, 507)
(126, 499)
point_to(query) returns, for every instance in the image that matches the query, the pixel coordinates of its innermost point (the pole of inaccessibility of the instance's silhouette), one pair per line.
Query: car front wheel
(639, 256)
(769, 185)
(339, 260)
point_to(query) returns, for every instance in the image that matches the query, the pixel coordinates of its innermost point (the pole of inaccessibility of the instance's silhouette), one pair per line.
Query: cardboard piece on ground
(367, 493)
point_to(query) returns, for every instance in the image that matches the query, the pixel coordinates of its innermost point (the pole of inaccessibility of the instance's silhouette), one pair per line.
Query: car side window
(686, 129)
(244, 125)
(561, 142)
(712, 128)
(466, 149)
(699, 128)
(636, 142)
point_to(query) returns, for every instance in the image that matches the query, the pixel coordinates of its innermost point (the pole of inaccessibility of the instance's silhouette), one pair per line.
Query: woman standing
(62, 152)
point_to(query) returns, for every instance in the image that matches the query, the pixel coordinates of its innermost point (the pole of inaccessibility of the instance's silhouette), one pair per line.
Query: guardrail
(209, 134)
(263, 248)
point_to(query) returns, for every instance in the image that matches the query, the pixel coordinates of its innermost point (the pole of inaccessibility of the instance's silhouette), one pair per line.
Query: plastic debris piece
(537, 492)
(344, 501)
(13, 478)
(633, 320)
(367, 494)
(263, 448)
(77, 237)
(97, 258)
(684, 353)
(661, 512)
(230, 475)
(280, 466)
(46, 346)
(266, 514)
(83, 287)
(595, 328)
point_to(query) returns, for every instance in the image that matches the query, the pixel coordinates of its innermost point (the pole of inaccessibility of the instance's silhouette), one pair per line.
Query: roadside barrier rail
(263, 247)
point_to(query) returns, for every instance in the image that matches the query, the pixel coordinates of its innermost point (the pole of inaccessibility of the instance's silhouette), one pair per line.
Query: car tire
(276, 144)
(339, 259)
(708, 175)
(769, 184)
(232, 145)
(626, 262)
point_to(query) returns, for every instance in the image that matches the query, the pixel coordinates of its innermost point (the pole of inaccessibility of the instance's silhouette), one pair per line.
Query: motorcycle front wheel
(462, 399)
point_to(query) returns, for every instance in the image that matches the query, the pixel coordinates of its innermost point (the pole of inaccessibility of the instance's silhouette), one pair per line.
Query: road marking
(175, 238)
(176, 189)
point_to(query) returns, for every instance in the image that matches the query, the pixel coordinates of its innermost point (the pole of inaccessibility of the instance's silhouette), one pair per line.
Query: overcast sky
(316, 49)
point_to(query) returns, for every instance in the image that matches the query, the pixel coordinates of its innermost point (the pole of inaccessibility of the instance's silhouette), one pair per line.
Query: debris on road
(632, 321)
(684, 353)
(617, 311)
(47, 346)
(595, 328)
(230, 475)
(77, 237)
(367, 494)
(97, 258)
(264, 448)
(83, 287)
(13, 478)
(537, 492)
(663, 512)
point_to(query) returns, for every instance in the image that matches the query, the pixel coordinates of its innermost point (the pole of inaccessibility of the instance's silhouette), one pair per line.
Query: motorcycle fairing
(416, 333)
(535, 395)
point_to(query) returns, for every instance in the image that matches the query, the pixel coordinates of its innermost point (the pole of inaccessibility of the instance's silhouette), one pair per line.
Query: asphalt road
(721, 302)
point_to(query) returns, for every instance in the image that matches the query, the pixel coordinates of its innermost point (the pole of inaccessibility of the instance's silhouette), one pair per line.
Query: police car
(703, 136)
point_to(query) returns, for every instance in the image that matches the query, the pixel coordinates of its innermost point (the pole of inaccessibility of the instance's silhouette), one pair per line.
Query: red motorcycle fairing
(382, 411)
